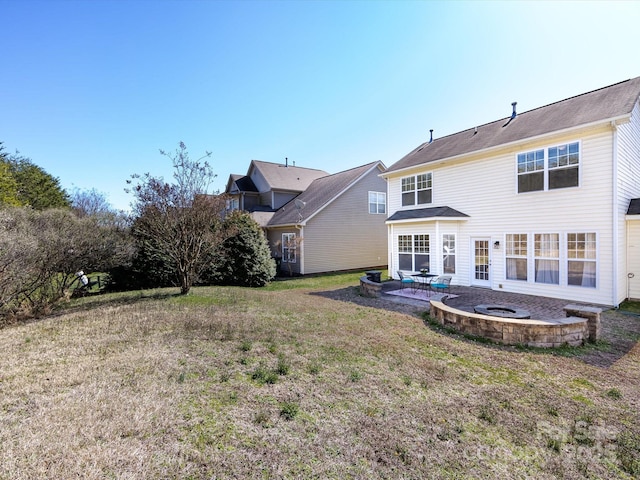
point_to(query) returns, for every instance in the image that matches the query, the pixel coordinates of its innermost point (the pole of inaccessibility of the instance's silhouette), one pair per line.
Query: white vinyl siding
(482, 187)
(628, 150)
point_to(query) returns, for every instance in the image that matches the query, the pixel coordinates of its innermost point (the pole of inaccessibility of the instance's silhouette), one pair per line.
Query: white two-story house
(543, 202)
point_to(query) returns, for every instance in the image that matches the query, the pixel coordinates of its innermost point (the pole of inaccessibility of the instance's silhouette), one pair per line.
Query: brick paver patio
(541, 308)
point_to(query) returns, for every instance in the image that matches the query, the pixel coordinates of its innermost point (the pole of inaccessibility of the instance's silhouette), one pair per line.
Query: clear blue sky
(91, 90)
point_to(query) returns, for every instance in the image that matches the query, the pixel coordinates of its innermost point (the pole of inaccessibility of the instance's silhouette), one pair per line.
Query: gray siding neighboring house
(316, 222)
(541, 202)
(333, 223)
(267, 186)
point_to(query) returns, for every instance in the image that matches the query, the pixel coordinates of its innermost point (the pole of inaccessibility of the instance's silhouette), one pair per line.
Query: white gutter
(390, 266)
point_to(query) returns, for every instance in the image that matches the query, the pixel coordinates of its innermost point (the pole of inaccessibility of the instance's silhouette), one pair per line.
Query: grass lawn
(291, 382)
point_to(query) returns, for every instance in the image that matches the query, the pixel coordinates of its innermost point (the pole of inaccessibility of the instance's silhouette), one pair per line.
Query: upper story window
(550, 168)
(377, 202)
(417, 190)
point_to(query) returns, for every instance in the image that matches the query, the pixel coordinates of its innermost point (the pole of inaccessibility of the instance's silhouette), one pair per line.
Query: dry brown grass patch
(164, 388)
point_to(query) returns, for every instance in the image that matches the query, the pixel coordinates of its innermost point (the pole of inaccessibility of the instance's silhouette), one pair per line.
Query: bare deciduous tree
(180, 220)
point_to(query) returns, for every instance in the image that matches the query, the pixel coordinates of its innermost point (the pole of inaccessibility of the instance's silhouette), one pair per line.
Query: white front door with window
(480, 275)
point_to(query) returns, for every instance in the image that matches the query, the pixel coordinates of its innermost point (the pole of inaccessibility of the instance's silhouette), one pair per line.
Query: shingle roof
(283, 177)
(321, 192)
(599, 105)
(634, 207)
(244, 183)
(422, 213)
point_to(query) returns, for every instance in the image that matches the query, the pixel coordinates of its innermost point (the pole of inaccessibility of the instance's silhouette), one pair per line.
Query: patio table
(423, 280)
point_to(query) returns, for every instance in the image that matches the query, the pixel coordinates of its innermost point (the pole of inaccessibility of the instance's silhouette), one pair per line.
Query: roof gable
(240, 183)
(600, 105)
(634, 207)
(285, 177)
(320, 193)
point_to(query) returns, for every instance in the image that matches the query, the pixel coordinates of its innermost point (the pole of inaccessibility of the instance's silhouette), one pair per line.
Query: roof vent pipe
(286, 161)
(513, 114)
(431, 138)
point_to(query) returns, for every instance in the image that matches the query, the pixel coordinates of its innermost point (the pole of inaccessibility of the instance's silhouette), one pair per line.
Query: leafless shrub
(41, 251)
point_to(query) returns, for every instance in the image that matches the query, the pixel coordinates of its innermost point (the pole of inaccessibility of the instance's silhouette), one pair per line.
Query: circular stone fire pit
(502, 311)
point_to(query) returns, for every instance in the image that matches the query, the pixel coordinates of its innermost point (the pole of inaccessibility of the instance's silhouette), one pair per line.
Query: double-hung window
(547, 258)
(377, 202)
(531, 171)
(413, 252)
(549, 168)
(564, 161)
(581, 256)
(417, 190)
(289, 247)
(516, 256)
(574, 260)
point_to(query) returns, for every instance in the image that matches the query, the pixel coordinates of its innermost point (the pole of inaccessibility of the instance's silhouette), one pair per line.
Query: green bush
(244, 259)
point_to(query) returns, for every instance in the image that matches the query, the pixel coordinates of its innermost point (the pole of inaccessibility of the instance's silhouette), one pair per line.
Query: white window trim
(455, 253)
(584, 260)
(563, 258)
(369, 203)
(291, 247)
(508, 256)
(416, 190)
(546, 169)
(413, 251)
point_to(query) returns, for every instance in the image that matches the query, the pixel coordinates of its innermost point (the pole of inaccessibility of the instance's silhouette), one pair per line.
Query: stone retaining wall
(572, 330)
(369, 288)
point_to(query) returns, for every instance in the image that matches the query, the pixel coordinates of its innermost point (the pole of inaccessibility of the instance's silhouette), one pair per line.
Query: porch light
(496, 244)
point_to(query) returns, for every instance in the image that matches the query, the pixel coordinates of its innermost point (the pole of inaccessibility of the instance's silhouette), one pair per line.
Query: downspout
(438, 256)
(615, 221)
(391, 271)
(390, 266)
(301, 245)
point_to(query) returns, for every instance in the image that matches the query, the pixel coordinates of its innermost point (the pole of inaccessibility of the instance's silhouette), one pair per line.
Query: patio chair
(406, 281)
(442, 284)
